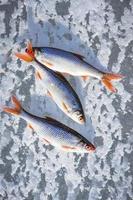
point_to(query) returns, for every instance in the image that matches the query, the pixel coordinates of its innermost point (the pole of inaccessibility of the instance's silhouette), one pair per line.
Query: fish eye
(26, 50)
(81, 118)
(89, 147)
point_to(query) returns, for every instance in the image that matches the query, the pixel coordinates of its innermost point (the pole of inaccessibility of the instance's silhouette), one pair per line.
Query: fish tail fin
(29, 50)
(29, 55)
(112, 76)
(107, 78)
(17, 107)
(109, 85)
(24, 56)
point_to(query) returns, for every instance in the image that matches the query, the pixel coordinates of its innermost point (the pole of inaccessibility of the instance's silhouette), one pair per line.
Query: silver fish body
(65, 62)
(62, 92)
(58, 134)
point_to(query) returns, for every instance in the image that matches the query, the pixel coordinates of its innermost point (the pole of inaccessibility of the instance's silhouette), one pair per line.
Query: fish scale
(58, 134)
(46, 125)
(61, 92)
(66, 62)
(74, 64)
(52, 131)
(57, 87)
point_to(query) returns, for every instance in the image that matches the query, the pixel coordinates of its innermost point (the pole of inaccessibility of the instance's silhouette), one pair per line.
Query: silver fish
(70, 63)
(52, 131)
(60, 90)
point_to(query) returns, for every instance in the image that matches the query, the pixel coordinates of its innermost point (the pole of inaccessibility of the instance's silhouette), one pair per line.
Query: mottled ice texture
(101, 30)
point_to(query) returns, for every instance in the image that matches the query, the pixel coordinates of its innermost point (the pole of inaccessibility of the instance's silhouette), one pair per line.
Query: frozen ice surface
(102, 31)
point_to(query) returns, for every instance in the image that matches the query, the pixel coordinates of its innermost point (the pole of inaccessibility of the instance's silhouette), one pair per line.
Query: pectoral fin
(30, 126)
(65, 107)
(85, 78)
(38, 75)
(48, 64)
(65, 147)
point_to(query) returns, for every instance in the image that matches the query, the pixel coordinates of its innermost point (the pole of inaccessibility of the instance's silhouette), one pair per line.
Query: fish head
(29, 54)
(86, 146)
(78, 116)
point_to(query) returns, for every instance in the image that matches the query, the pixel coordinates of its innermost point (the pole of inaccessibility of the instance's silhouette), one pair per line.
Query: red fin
(29, 46)
(16, 103)
(38, 75)
(111, 77)
(17, 107)
(30, 126)
(24, 56)
(109, 85)
(85, 78)
(29, 50)
(68, 147)
(29, 55)
(107, 78)
(79, 56)
(11, 110)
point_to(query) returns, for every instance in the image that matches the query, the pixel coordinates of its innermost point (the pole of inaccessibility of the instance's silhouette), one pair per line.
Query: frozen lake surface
(102, 31)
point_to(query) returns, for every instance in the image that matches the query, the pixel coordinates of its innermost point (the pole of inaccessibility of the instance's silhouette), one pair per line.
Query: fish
(71, 63)
(51, 131)
(59, 89)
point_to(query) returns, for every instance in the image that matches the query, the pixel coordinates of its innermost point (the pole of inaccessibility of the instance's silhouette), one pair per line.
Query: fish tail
(17, 107)
(28, 56)
(24, 56)
(29, 50)
(112, 76)
(107, 78)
